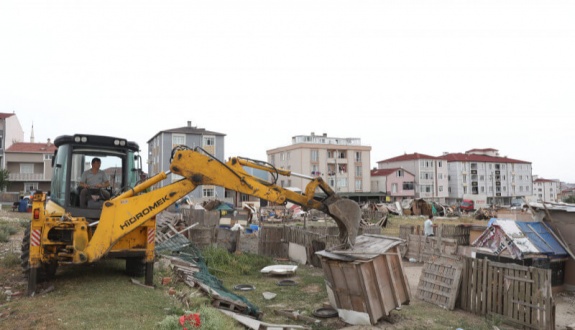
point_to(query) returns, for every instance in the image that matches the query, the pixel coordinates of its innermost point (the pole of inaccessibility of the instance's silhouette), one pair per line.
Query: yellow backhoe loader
(62, 232)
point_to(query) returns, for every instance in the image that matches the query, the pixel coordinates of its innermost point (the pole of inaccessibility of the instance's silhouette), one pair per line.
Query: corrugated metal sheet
(540, 235)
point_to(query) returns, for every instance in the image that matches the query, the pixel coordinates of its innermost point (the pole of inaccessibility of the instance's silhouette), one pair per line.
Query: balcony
(27, 177)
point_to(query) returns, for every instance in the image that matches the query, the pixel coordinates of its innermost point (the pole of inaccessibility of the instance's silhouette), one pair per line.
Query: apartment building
(395, 183)
(160, 148)
(29, 166)
(10, 132)
(342, 162)
(484, 172)
(546, 190)
(430, 174)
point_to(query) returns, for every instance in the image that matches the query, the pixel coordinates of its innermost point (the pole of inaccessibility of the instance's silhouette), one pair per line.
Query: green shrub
(4, 236)
(10, 259)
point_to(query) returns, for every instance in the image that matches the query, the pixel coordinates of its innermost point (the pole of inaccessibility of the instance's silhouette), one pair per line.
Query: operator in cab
(93, 182)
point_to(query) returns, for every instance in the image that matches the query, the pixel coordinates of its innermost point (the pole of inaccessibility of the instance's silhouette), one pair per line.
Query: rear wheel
(135, 266)
(35, 275)
(149, 280)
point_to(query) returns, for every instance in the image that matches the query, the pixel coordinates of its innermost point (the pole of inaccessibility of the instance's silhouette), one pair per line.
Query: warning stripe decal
(151, 235)
(35, 237)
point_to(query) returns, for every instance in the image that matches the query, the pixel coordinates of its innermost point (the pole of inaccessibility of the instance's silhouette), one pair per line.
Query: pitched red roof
(28, 147)
(481, 150)
(5, 115)
(386, 171)
(544, 180)
(459, 157)
(414, 156)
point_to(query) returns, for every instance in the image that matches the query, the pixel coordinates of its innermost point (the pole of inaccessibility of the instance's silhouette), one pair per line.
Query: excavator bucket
(347, 215)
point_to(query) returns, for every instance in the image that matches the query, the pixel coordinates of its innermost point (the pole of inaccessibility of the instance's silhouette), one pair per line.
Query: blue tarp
(540, 235)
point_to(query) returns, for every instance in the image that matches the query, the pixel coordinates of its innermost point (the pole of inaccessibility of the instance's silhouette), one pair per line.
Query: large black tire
(43, 273)
(149, 277)
(135, 266)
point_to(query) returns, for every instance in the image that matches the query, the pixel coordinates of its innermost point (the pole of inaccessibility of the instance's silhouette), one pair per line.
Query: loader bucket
(347, 215)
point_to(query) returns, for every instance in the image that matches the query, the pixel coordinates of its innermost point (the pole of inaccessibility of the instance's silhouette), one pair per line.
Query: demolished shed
(523, 243)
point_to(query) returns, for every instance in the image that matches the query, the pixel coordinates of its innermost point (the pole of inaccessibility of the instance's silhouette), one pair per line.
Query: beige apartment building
(342, 162)
(430, 174)
(546, 190)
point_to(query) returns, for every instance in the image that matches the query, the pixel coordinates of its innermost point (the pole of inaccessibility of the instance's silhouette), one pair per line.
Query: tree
(570, 199)
(4, 179)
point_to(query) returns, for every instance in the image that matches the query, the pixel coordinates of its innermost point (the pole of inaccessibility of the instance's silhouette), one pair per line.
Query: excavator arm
(128, 211)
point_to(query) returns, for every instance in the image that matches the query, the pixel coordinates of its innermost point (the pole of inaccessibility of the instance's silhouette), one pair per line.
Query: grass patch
(221, 262)
(10, 260)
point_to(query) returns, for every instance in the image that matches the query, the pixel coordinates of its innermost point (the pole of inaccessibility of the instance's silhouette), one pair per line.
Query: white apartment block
(545, 190)
(430, 174)
(483, 172)
(342, 162)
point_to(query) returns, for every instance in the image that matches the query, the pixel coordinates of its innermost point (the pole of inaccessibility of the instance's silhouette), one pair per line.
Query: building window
(283, 156)
(315, 170)
(209, 141)
(481, 178)
(439, 163)
(358, 171)
(426, 175)
(358, 156)
(358, 185)
(178, 140)
(341, 155)
(48, 156)
(394, 188)
(342, 182)
(399, 173)
(208, 192)
(273, 159)
(26, 168)
(408, 186)
(440, 188)
(331, 154)
(245, 197)
(314, 155)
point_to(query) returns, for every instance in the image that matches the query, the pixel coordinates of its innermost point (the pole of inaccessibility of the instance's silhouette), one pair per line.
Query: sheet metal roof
(540, 235)
(526, 238)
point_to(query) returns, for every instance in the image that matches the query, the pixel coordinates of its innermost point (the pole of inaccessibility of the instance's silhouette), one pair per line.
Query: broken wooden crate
(367, 282)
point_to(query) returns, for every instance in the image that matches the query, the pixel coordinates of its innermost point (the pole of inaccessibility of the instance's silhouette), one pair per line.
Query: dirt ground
(565, 301)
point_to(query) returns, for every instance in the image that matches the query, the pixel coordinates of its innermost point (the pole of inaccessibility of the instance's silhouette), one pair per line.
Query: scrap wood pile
(168, 225)
(190, 267)
(485, 214)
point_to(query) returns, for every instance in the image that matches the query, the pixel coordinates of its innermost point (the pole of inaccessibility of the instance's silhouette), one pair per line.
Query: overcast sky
(404, 76)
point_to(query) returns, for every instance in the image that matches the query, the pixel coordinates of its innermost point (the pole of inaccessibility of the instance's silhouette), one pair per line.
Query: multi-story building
(160, 148)
(430, 174)
(546, 190)
(484, 172)
(29, 166)
(342, 162)
(395, 183)
(10, 132)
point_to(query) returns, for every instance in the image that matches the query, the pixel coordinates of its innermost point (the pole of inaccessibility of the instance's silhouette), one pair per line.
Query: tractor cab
(119, 160)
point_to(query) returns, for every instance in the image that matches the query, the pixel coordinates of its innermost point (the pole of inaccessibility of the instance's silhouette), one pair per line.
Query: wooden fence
(446, 240)
(274, 240)
(520, 295)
